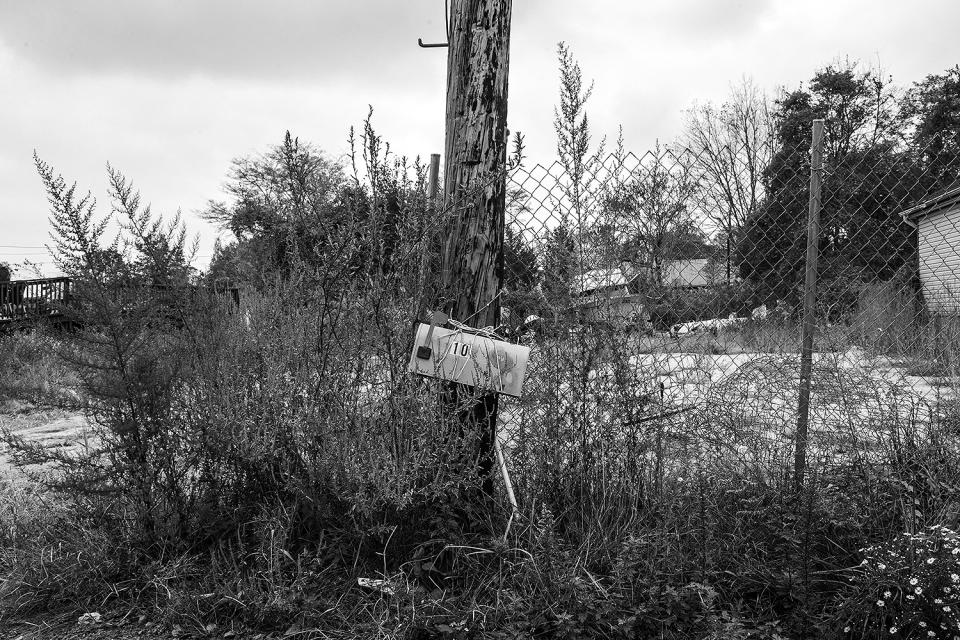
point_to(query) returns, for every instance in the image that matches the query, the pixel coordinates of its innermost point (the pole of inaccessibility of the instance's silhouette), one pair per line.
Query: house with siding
(610, 294)
(937, 221)
(689, 273)
(620, 293)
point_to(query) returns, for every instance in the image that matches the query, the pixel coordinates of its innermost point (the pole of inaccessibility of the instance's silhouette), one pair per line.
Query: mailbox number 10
(460, 349)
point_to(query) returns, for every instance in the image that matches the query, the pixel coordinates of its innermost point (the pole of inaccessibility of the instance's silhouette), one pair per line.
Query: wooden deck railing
(24, 299)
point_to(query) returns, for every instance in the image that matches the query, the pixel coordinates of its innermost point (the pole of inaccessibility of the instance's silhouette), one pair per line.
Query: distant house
(937, 221)
(610, 294)
(606, 282)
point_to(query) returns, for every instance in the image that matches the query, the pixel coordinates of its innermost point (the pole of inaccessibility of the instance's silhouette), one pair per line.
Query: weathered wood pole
(434, 244)
(809, 304)
(433, 180)
(478, 63)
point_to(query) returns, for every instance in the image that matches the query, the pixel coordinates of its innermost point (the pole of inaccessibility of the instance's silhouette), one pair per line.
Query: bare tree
(731, 145)
(651, 213)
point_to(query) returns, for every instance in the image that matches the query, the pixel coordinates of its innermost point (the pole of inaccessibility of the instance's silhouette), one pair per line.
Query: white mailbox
(469, 358)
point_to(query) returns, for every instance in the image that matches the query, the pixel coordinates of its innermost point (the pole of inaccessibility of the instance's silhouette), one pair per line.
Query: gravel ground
(54, 429)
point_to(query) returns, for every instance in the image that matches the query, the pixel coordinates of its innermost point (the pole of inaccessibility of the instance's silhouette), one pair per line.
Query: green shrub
(672, 306)
(295, 407)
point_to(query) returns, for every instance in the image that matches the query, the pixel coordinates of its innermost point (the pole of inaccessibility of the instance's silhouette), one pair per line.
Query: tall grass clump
(33, 372)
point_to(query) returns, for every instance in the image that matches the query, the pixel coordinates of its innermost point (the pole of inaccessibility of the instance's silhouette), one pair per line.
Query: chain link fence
(662, 295)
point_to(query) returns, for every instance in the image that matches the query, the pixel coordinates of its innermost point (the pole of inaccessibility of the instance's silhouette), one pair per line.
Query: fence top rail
(36, 281)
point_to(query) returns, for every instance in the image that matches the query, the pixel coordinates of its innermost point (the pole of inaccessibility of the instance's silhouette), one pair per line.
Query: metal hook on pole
(429, 46)
(446, 20)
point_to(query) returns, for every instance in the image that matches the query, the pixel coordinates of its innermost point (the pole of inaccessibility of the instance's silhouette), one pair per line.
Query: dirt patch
(53, 429)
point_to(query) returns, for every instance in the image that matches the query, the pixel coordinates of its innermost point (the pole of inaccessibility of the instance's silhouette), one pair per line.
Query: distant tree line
(884, 150)
(733, 187)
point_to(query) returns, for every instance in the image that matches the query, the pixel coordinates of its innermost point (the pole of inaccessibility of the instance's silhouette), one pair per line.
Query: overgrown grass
(33, 371)
(273, 466)
(301, 481)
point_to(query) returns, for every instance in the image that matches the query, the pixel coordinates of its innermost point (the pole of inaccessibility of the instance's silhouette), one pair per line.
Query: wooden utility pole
(809, 304)
(433, 178)
(478, 63)
(476, 156)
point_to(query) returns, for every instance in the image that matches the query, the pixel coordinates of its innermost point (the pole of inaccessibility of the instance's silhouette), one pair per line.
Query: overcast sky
(169, 91)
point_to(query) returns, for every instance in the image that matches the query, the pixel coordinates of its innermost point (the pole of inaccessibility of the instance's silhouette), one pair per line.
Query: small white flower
(937, 601)
(954, 577)
(879, 603)
(887, 594)
(914, 580)
(881, 566)
(846, 629)
(918, 590)
(893, 629)
(947, 608)
(931, 634)
(922, 623)
(910, 597)
(929, 560)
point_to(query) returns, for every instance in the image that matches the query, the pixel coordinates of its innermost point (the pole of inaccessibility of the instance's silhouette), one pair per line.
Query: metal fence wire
(662, 296)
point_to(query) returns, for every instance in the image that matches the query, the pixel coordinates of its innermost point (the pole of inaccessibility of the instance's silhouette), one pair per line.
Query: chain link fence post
(809, 304)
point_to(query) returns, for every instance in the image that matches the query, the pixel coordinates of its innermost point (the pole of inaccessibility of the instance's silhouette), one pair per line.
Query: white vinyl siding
(939, 252)
(687, 273)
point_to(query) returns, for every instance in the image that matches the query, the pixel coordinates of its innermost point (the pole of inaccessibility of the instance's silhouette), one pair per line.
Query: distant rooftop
(693, 272)
(601, 279)
(943, 199)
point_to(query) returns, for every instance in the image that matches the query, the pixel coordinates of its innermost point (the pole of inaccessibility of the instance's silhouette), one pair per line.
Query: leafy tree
(934, 107)
(519, 262)
(292, 211)
(868, 177)
(284, 204)
(859, 109)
